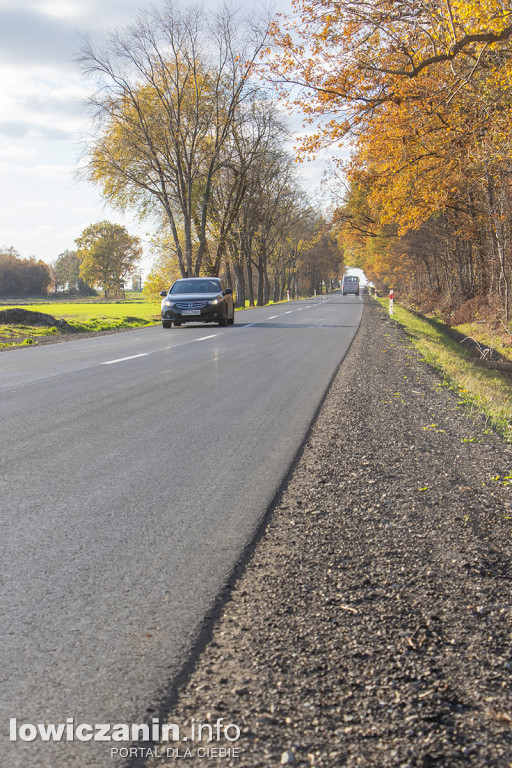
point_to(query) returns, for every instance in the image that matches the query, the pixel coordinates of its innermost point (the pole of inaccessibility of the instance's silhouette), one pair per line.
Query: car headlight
(168, 303)
(218, 300)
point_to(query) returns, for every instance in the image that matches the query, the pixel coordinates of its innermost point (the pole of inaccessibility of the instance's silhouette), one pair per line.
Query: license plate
(190, 311)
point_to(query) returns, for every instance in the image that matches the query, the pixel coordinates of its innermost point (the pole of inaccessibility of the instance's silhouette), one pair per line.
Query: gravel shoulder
(372, 625)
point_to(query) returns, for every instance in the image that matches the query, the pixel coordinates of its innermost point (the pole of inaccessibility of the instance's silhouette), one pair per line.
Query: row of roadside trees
(296, 254)
(421, 94)
(186, 136)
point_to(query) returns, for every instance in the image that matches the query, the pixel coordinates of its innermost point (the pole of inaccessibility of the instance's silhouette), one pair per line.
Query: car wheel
(231, 321)
(223, 322)
(166, 324)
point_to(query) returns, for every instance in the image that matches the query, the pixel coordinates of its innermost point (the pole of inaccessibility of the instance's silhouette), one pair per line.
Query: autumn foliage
(420, 92)
(22, 277)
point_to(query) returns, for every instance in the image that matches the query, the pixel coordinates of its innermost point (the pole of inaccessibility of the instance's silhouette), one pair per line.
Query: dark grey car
(197, 300)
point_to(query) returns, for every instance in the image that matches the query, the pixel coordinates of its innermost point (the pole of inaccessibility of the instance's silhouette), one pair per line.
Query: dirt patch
(19, 316)
(372, 624)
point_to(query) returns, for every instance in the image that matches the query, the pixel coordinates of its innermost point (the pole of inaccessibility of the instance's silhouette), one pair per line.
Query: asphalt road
(135, 468)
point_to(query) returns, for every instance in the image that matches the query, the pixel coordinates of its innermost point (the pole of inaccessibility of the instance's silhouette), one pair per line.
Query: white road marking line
(122, 359)
(171, 346)
(175, 346)
(202, 338)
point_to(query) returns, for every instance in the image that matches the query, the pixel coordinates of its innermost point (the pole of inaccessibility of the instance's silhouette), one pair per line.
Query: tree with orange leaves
(349, 59)
(422, 91)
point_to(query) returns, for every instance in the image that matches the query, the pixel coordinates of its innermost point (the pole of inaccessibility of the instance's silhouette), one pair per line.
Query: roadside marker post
(391, 302)
(288, 295)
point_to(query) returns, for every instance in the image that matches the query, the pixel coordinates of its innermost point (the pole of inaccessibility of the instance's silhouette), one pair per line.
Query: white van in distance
(350, 285)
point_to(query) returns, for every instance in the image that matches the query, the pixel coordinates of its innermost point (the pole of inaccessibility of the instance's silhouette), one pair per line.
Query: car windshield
(350, 279)
(195, 286)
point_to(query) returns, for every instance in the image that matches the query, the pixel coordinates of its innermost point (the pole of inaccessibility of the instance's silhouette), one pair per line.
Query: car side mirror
(163, 293)
(228, 292)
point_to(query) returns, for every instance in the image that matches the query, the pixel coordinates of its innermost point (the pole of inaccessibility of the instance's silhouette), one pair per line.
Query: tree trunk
(261, 279)
(239, 271)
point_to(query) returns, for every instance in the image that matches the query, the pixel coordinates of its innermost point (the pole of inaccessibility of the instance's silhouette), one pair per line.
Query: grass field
(84, 316)
(486, 391)
(84, 309)
(23, 301)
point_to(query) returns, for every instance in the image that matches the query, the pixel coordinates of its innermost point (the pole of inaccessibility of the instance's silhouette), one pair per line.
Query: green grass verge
(485, 391)
(23, 335)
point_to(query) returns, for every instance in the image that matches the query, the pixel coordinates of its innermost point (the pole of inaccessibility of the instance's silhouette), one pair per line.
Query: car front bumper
(207, 315)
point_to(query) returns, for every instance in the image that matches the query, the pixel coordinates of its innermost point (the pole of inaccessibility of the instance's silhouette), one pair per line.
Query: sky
(44, 207)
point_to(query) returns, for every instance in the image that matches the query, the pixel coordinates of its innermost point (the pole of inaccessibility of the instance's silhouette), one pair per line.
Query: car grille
(191, 304)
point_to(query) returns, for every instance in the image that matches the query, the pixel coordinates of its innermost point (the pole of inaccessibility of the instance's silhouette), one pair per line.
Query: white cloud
(15, 152)
(34, 131)
(48, 171)
(44, 94)
(67, 9)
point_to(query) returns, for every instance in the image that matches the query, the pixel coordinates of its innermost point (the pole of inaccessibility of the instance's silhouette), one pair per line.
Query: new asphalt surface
(136, 468)
(371, 626)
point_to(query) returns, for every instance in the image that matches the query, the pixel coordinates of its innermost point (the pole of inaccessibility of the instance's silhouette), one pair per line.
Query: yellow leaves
(425, 99)
(471, 17)
(355, 58)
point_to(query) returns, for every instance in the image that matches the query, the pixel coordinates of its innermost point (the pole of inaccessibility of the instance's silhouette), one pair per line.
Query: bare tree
(169, 102)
